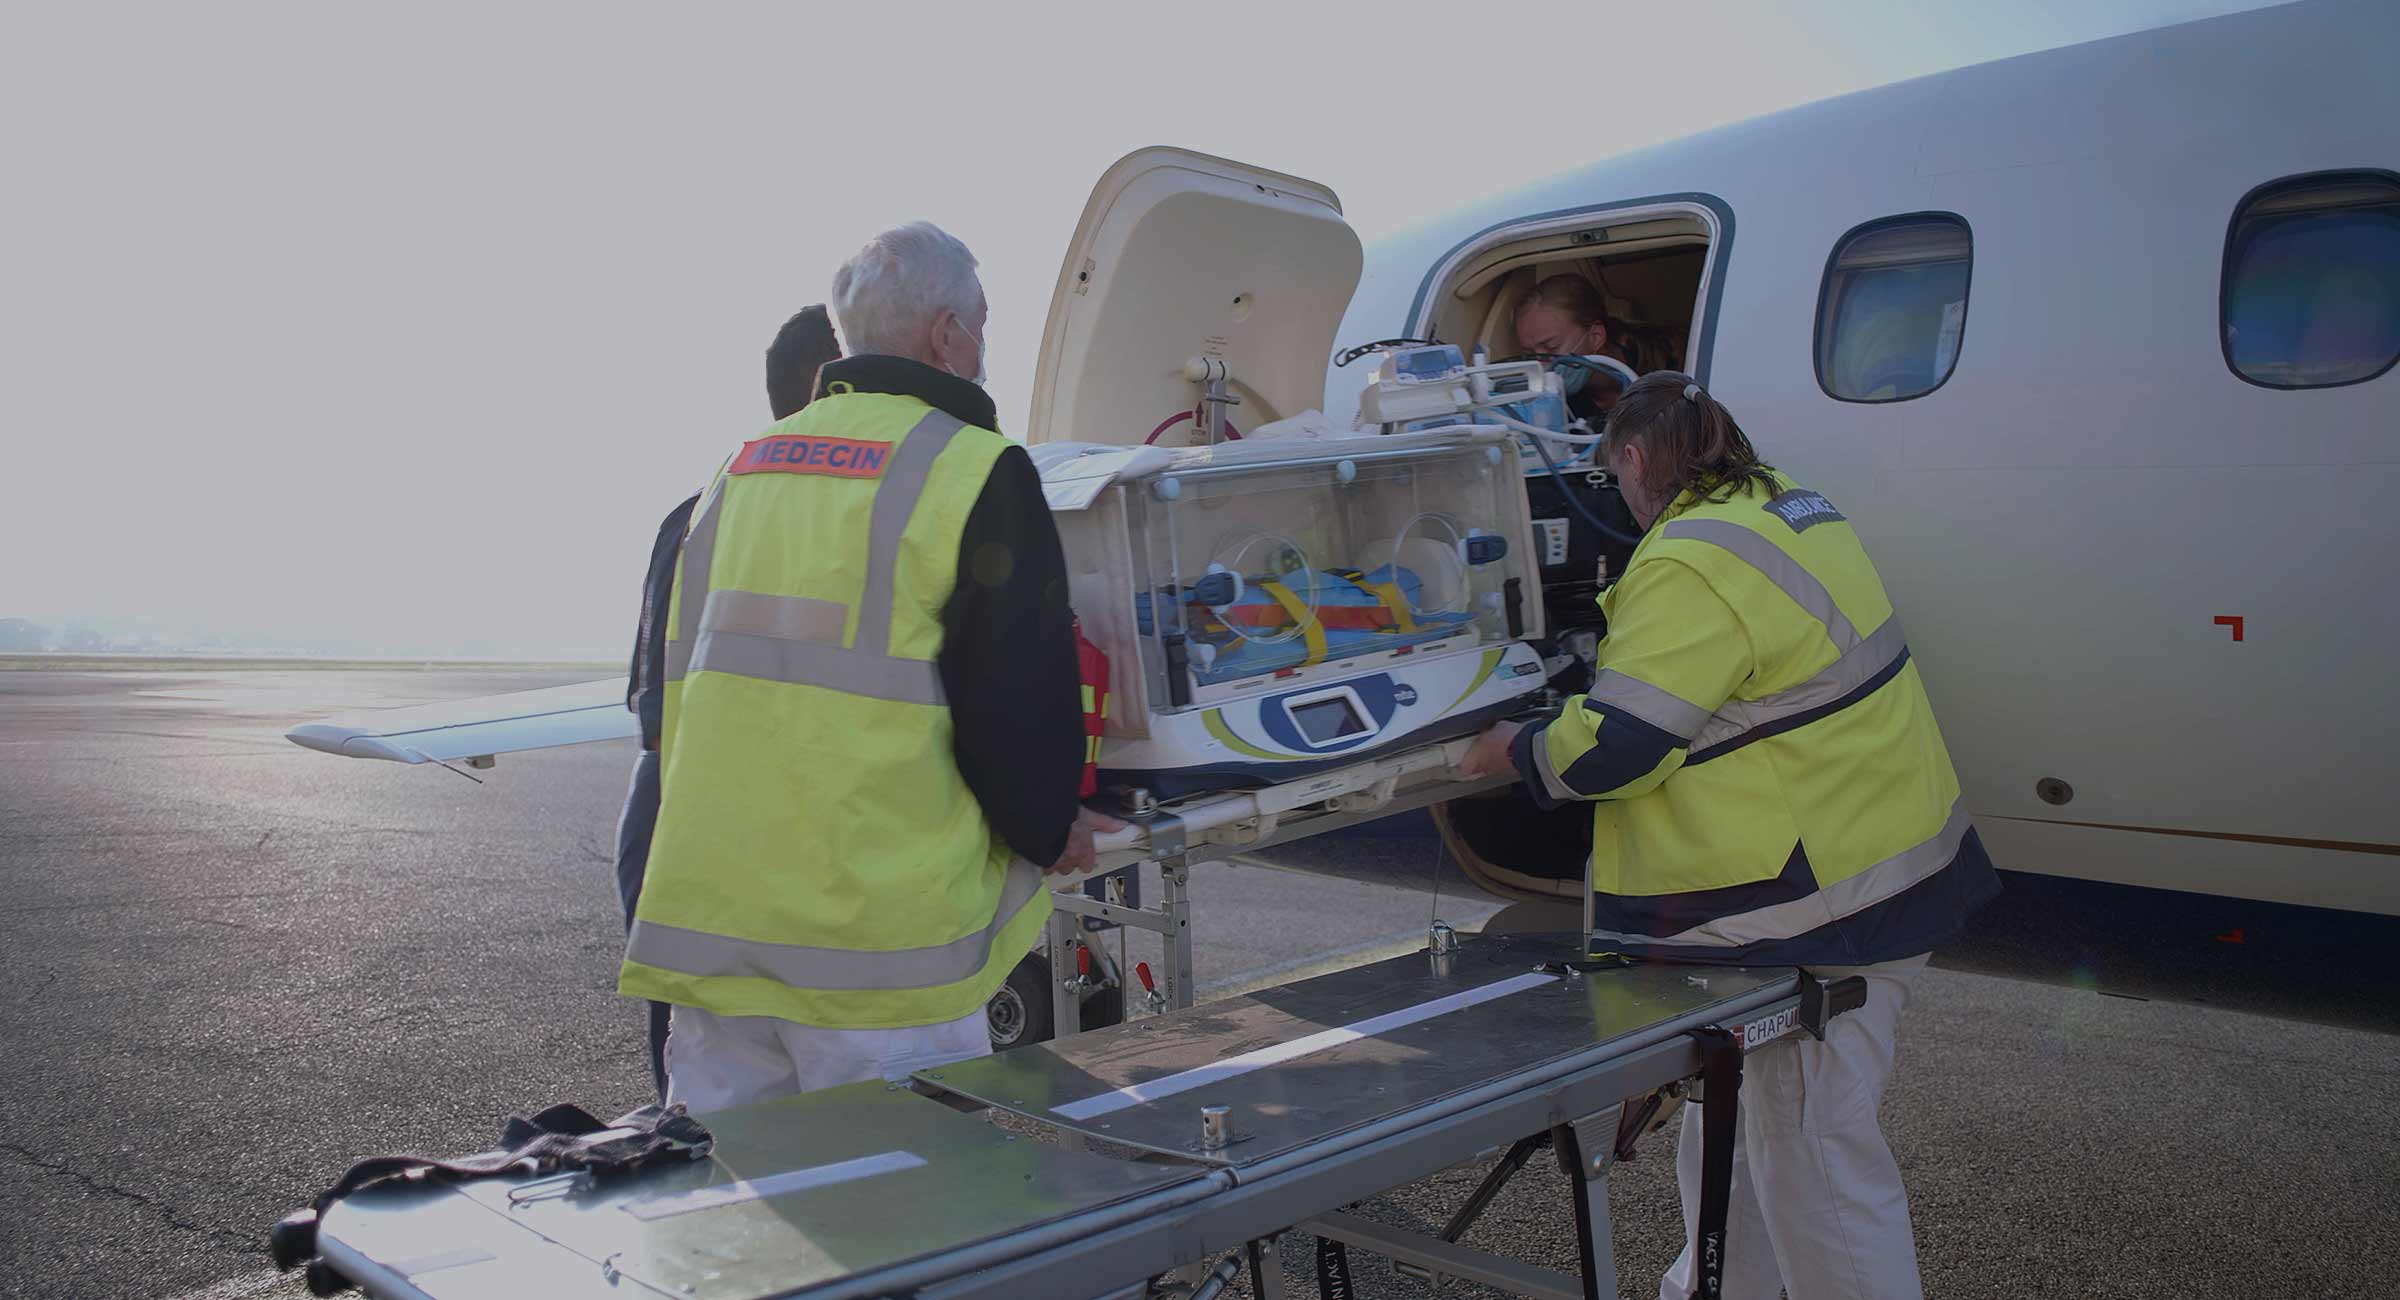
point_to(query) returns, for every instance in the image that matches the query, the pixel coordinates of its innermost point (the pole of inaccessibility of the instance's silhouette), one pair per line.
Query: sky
(396, 329)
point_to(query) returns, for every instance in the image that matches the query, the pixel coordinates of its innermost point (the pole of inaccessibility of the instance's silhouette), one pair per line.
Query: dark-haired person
(801, 347)
(1771, 790)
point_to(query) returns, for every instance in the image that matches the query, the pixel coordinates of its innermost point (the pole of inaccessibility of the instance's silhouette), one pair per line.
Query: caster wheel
(1019, 1013)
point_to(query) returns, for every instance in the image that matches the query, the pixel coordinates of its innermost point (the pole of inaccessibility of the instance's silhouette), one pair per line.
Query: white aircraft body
(2125, 567)
(2090, 345)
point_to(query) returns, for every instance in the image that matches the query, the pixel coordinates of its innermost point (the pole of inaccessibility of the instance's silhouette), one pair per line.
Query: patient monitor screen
(1324, 720)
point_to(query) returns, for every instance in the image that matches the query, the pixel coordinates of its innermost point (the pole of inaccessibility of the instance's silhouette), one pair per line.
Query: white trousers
(1817, 1207)
(718, 1061)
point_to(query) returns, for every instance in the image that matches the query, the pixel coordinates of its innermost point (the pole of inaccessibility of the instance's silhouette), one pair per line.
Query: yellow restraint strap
(1389, 594)
(1312, 633)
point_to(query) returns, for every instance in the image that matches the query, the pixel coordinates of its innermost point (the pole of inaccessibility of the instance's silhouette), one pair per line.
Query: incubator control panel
(1329, 716)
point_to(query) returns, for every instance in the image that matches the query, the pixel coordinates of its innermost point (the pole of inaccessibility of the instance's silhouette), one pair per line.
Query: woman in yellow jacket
(1770, 789)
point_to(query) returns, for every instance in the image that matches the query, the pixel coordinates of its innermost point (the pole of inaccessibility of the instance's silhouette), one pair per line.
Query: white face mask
(979, 375)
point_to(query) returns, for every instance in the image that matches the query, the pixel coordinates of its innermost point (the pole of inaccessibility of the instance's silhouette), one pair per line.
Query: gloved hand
(1080, 856)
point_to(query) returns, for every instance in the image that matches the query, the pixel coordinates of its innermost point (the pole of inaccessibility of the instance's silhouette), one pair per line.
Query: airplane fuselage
(2145, 562)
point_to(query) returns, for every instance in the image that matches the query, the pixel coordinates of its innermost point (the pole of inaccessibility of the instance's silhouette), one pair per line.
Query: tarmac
(236, 966)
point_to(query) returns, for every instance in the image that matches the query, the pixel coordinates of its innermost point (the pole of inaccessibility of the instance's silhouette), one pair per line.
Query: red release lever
(1141, 971)
(1083, 960)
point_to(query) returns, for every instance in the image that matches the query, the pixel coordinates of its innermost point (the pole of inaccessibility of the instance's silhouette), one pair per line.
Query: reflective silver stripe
(1558, 789)
(1664, 710)
(895, 500)
(1854, 669)
(715, 956)
(815, 663)
(792, 618)
(1886, 879)
(691, 578)
(786, 638)
(1778, 566)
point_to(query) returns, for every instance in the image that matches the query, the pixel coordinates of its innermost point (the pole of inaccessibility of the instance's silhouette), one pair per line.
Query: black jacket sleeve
(1008, 665)
(645, 683)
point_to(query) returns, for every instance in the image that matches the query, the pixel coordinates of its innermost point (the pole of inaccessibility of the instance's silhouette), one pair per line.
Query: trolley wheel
(1019, 1012)
(1105, 1007)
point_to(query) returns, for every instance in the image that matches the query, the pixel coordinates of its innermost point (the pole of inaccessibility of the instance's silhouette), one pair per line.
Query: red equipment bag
(1092, 666)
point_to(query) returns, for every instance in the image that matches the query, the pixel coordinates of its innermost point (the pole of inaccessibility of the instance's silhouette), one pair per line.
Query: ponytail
(1690, 442)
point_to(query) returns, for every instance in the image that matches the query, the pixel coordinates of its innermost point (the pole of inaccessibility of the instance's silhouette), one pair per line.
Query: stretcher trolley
(1161, 1157)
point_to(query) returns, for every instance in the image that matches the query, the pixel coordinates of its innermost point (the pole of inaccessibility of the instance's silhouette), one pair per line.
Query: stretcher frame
(1216, 1206)
(1219, 826)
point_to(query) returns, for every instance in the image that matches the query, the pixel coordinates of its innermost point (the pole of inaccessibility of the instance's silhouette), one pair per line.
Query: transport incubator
(1275, 599)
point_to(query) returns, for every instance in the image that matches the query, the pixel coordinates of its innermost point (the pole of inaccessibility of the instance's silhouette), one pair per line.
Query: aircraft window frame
(1816, 342)
(2275, 189)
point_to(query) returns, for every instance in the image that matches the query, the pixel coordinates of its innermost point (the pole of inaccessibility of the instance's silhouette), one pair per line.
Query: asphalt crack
(224, 1239)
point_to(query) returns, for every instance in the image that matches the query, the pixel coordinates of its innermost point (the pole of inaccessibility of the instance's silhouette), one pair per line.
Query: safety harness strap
(1720, 1115)
(564, 1137)
(1333, 1271)
(1389, 594)
(1312, 633)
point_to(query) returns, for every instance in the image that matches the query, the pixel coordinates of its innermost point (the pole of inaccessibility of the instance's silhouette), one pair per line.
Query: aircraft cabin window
(1893, 308)
(2311, 295)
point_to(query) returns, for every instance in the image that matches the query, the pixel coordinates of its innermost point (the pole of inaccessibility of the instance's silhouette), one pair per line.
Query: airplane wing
(477, 728)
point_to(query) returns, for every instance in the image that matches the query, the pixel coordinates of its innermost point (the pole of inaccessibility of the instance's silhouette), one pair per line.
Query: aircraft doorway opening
(1645, 271)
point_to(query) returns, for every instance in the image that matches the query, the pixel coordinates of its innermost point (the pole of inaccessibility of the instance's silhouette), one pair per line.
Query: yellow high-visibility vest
(1773, 788)
(818, 856)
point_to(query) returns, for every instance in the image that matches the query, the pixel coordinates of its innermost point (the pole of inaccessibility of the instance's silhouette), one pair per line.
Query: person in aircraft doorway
(1769, 789)
(1564, 316)
(804, 344)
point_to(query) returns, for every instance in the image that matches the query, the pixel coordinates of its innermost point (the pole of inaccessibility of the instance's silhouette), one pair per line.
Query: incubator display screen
(1329, 719)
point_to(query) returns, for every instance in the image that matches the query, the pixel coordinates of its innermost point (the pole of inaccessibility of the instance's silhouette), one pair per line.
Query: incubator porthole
(1287, 586)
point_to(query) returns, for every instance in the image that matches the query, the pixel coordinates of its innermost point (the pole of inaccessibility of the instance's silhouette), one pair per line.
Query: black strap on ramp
(1720, 1134)
(1333, 1271)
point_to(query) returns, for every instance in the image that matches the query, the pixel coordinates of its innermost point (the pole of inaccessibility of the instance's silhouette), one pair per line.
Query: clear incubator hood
(1273, 600)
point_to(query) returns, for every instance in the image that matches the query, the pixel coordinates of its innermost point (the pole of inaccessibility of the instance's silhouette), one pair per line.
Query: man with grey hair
(873, 725)
(913, 292)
